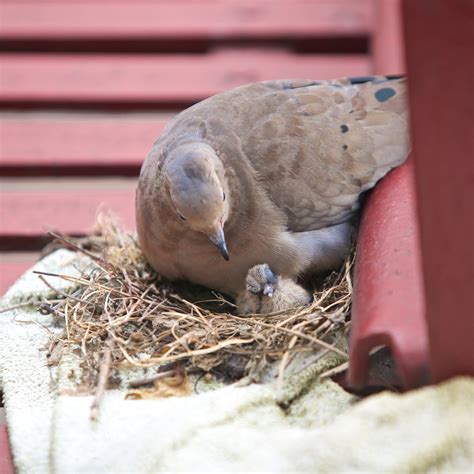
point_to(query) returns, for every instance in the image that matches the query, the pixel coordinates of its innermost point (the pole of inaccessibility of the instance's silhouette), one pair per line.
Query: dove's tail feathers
(375, 79)
(395, 77)
(347, 82)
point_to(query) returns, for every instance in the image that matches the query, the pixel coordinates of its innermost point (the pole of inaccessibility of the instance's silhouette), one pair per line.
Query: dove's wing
(317, 145)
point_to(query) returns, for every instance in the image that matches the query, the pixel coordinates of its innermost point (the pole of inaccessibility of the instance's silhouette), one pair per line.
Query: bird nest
(121, 312)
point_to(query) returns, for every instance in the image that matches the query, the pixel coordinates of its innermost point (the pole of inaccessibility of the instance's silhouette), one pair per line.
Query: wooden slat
(154, 80)
(76, 141)
(6, 463)
(32, 207)
(12, 266)
(387, 46)
(164, 20)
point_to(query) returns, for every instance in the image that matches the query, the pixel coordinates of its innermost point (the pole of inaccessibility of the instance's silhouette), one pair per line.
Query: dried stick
(335, 370)
(73, 246)
(104, 370)
(151, 378)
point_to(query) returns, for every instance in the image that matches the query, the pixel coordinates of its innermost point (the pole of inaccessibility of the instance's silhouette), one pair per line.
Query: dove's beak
(218, 239)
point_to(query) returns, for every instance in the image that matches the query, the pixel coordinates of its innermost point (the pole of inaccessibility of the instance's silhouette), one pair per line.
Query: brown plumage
(269, 173)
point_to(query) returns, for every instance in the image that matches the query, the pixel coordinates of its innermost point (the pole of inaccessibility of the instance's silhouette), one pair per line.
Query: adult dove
(254, 187)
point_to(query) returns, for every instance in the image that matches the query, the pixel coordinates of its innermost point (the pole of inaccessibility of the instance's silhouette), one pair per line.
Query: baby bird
(267, 173)
(266, 292)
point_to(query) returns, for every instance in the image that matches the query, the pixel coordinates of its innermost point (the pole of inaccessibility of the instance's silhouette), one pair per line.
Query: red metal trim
(388, 305)
(439, 37)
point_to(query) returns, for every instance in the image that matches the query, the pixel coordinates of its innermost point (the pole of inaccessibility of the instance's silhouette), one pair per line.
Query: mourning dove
(269, 173)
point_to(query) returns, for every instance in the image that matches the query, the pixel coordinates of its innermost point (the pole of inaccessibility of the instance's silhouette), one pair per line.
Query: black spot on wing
(344, 128)
(384, 94)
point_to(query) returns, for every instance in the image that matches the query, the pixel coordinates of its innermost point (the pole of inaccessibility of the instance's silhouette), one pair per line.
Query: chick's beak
(268, 290)
(218, 239)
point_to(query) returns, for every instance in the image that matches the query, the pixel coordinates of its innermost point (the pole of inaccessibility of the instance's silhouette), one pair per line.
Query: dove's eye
(181, 216)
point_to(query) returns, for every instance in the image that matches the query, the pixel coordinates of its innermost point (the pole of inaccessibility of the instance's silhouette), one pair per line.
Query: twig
(17, 306)
(306, 336)
(335, 370)
(73, 246)
(151, 378)
(104, 370)
(284, 363)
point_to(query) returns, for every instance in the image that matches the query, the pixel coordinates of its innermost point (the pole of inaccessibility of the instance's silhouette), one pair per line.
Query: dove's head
(195, 177)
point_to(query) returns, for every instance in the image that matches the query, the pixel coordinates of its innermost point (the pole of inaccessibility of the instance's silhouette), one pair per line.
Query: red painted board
(12, 266)
(206, 19)
(388, 301)
(6, 463)
(387, 43)
(88, 140)
(439, 39)
(31, 208)
(153, 80)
